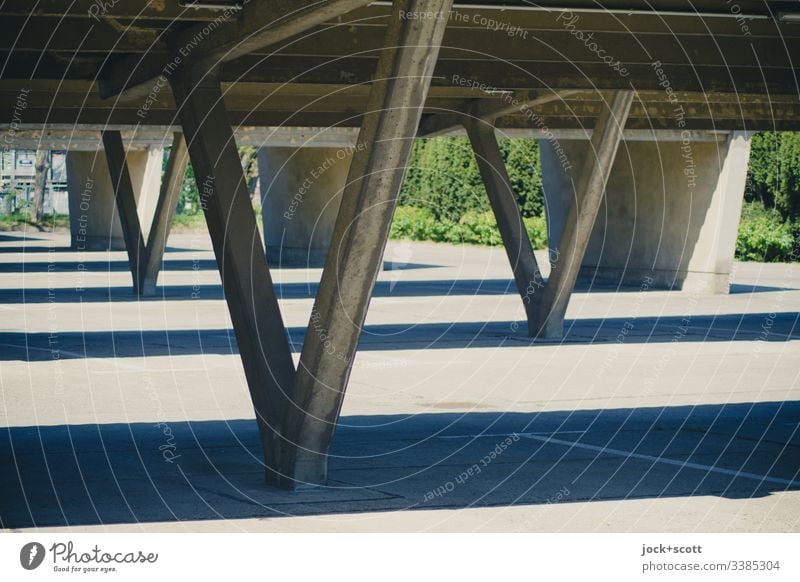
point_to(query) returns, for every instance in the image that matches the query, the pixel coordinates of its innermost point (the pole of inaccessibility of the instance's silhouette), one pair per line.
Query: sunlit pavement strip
(142, 420)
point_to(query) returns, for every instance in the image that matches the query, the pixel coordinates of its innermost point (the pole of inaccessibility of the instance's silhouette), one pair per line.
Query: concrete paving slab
(659, 411)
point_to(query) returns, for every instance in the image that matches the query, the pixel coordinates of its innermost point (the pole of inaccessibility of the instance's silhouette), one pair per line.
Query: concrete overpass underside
(643, 111)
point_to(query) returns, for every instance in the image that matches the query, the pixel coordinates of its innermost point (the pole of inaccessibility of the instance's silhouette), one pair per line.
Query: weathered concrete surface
(94, 221)
(671, 211)
(503, 201)
(358, 243)
(641, 383)
(301, 189)
(550, 305)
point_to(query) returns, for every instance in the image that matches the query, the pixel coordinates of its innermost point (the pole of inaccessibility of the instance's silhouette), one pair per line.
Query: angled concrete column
(550, 306)
(301, 189)
(145, 254)
(503, 200)
(126, 206)
(165, 211)
(670, 214)
(94, 221)
(252, 303)
(390, 123)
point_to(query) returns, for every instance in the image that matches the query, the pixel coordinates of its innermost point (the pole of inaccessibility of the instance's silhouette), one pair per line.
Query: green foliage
(524, 170)
(475, 227)
(188, 221)
(537, 231)
(23, 220)
(773, 176)
(764, 236)
(443, 176)
(189, 201)
(443, 198)
(770, 225)
(412, 223)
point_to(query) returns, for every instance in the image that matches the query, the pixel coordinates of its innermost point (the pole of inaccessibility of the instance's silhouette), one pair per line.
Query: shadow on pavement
(148, 472)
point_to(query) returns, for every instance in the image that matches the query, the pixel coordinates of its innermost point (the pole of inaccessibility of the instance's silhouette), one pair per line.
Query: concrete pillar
(252, 302)
(388, 127)
(671, 210)
(94, 221)
(300, 194)
(503, 201)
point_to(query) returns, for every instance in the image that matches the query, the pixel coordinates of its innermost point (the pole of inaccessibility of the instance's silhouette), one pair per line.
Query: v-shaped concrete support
(297, 411)
(246, 280)
(503, 201)
(550, 306)
(546, 304)
(394, 109)
(145, 258)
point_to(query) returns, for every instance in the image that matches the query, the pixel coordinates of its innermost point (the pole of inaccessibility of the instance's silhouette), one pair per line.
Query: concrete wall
(300, 194)
(671, 211)
(94, 221)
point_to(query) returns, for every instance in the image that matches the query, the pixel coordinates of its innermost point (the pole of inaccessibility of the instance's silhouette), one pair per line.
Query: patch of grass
(188, 222)
(23, 221)
(193, 221)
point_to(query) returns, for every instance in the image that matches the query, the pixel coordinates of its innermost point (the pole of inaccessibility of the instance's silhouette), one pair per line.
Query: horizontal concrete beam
(141, 10)
(489, 110)
(87, 138)
(259, 23)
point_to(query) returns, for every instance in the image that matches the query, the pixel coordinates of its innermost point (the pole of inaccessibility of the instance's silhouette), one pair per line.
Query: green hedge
(765, 237)
(773, 174)
(443, 177)
(443, 198)
(770, 226)
(475, 227)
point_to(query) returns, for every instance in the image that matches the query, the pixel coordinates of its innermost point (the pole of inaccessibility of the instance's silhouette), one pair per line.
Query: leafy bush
(475, 227)
(773, 175)
(525, 172)
(443, 176)
(412, 223)
(763, 236)
(22, 220)
(443, 198)
(537, 231)
(189, 200)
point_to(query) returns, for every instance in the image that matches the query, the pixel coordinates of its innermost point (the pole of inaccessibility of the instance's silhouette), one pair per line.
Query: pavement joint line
(673, 462)
(522, 434)
(114, 361)
(153, 370)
